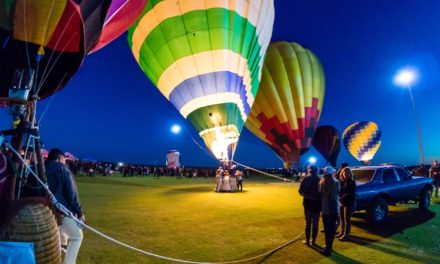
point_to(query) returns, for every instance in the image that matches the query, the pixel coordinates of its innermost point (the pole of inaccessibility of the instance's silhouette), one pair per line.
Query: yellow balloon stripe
(204, 63)
(292, 80)
(211, 138)
(254, 125)
(251, 10)
(306, 74)
(213, 99)
(37, 19)
(271, 101)
(370, 153)
(361, 139)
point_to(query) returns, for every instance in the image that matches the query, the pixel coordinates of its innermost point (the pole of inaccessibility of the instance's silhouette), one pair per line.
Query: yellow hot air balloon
(362, 140)
(288, 105)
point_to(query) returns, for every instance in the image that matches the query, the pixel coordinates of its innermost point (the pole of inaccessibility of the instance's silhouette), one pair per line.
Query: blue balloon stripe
(209, 84)
(372, 142)
(350, 132)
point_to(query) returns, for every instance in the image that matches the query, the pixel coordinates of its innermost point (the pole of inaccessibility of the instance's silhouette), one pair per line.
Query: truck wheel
(425, 199)
(378, 211)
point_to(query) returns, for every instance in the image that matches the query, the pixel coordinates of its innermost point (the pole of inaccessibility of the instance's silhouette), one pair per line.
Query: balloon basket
(35, 223)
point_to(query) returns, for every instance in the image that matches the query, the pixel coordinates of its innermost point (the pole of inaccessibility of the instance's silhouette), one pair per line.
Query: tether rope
(68, 213)
(248, 167)
(262, 172)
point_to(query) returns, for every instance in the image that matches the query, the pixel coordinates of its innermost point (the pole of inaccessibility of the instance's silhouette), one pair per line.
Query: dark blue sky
(111, 111)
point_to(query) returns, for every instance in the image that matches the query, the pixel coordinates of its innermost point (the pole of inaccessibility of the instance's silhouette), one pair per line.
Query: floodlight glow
(312, 160)
(176, 129)
(406, 77)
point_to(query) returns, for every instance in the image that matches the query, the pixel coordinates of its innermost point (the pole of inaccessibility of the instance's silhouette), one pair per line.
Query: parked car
(380, 186)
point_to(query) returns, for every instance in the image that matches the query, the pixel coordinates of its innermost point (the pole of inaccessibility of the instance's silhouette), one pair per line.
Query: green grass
(185, 219)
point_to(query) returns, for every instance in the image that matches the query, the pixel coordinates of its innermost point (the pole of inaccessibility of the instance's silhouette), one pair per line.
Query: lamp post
(406, 78)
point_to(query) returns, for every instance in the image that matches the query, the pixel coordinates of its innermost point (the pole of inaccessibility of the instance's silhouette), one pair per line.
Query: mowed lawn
(185, 219)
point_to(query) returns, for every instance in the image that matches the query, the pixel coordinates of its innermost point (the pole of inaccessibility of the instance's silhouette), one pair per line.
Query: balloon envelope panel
(53, 36)
(362, 140)
(289, 103)
(206, 58)
(327, 141)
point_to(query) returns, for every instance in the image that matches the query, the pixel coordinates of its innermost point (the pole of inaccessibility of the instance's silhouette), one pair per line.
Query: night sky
(110, 110)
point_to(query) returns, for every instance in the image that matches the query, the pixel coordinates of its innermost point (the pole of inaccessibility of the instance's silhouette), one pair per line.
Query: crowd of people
(228, 180)
(334, 198)
(331, 197)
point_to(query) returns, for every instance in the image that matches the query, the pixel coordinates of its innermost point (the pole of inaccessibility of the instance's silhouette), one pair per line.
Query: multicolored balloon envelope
(53, 36)
(288, 105)
(206, 58)
(327, 141)
(362, 140)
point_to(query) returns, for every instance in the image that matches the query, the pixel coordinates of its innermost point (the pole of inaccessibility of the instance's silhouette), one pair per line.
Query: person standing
(311, 203)
(218, 179)
(434, 173)
(239, 175)
(233, 182)
(62, 185)
(329, 189)
(347, 199)
(337, 174)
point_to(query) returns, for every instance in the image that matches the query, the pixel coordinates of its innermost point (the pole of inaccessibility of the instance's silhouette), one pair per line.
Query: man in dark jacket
(62, 185)
(312, 203)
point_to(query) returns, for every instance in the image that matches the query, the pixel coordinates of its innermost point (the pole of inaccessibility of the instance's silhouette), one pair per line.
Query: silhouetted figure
(434, 173)
(329, 190)
(311, 203)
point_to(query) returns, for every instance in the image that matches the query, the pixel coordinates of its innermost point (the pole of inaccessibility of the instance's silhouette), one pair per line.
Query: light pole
(406, 78)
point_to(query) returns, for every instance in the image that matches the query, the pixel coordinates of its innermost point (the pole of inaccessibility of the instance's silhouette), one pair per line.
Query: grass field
(185, 219)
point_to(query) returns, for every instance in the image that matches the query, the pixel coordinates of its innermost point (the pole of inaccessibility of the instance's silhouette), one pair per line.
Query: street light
(176, 129)
(406, 78)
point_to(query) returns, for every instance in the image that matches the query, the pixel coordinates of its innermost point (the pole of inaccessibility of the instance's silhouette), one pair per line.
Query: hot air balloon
(327, 141)
(289, 102)
(52, 37)
(206, 58)
(362, 140)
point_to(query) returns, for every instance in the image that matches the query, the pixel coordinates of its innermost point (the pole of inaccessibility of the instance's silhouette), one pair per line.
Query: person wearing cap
(62, 184)
(311, 203)
(329, 189)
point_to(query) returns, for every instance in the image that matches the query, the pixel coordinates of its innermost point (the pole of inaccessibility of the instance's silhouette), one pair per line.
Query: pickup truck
(379, 186)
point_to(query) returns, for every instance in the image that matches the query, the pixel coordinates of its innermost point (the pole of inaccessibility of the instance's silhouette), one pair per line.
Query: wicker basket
(37, 224)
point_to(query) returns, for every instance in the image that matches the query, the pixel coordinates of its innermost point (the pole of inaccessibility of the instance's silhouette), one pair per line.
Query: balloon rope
(44, 35)
(68, 213)
(52, 65)
(43, 78)
(248, 167)
(198, 144)
(262, 172)
(25, 35)
(51, 99)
